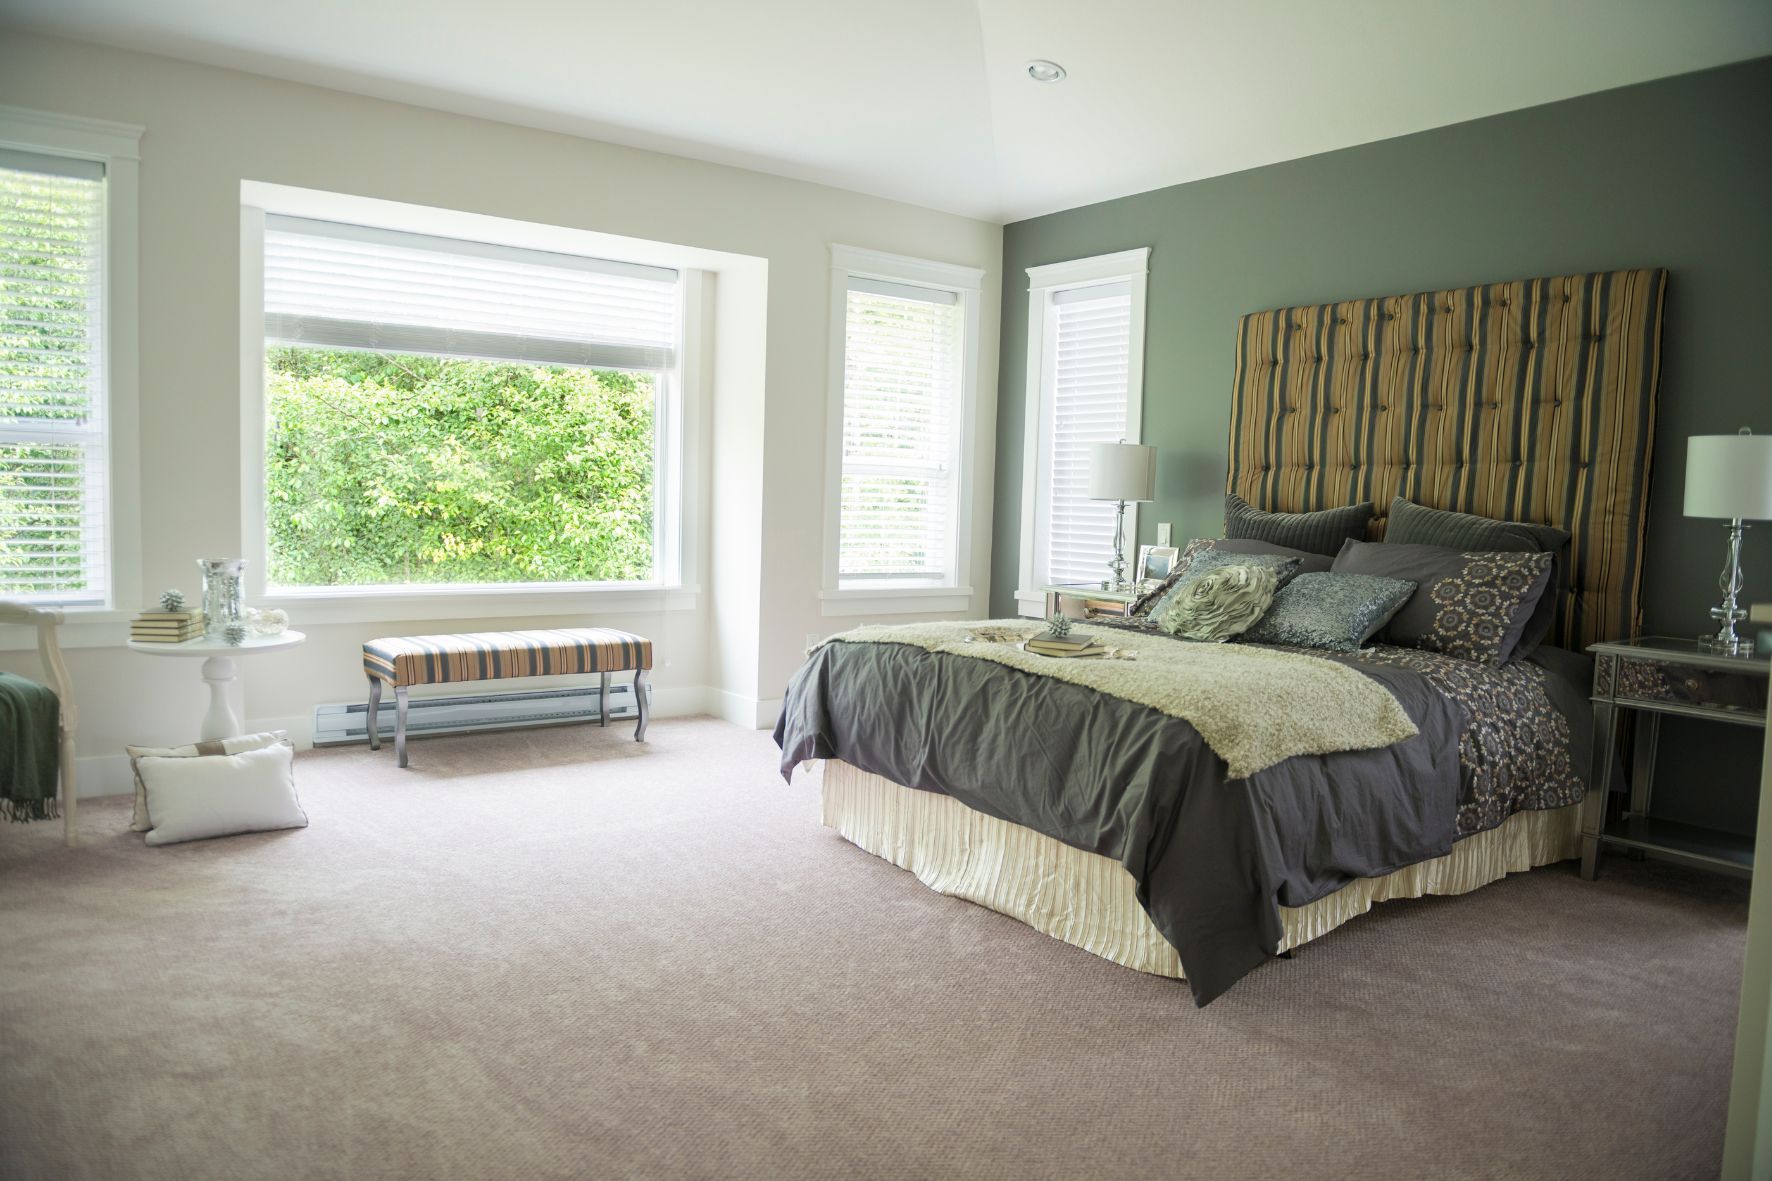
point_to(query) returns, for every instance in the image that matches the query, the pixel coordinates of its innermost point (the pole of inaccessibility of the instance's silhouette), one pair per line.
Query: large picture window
(54, 470)
(448, 412)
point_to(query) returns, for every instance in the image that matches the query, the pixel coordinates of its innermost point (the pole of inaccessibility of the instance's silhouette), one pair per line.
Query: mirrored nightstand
(1653, 676)
(1089, 600)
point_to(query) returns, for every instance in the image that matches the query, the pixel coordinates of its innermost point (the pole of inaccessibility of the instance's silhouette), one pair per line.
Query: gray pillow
(1308, 563)
(1473, 605)
(1202, 563)
(1222, 604)
(1414, 524)
(1320, 532)
(1339, 612)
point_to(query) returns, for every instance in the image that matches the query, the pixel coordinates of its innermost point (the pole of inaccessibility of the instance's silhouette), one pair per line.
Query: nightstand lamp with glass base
(1729, 477)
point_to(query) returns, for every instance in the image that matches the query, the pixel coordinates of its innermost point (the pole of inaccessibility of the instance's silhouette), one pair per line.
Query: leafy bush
(386, 468)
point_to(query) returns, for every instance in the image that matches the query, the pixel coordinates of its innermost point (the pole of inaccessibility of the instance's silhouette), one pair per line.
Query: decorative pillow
(1414, 524)
(1474, 605)
(1318, 533)
(1203, 562)
(1222, 604)
(219, 795)
(1339, 612)
(1308, 563)
(209, 746)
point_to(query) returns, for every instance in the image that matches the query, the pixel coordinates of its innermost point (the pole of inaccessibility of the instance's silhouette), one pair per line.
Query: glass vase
(222, 594)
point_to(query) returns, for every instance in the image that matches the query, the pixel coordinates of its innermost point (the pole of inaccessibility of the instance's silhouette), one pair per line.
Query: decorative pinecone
(172, 600)
(1058, 626)
(235, 634)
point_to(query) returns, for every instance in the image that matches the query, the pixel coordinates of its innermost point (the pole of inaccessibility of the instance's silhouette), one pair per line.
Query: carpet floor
(562, 954)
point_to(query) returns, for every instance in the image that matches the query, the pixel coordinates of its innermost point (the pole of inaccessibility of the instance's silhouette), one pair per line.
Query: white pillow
(218, 795)
(208, 746)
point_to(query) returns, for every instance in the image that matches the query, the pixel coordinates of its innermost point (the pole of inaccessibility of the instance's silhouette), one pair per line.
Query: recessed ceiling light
(1041, 70)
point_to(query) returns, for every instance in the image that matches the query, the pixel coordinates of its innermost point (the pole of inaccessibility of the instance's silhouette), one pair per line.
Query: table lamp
(1122, 472)
(1729, 477)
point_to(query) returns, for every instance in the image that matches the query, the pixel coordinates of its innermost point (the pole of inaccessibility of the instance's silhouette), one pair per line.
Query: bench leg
(640, 701)
(400, 725)
(603, 703)
(374, 713)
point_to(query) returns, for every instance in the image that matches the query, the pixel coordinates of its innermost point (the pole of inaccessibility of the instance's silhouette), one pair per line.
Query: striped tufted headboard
(1527, 401)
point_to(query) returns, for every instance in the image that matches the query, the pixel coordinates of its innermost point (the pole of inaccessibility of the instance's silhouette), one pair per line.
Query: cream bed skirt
(1089, 900)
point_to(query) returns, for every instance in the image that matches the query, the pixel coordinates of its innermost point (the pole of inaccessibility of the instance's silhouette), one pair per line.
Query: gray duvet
(1213, 858)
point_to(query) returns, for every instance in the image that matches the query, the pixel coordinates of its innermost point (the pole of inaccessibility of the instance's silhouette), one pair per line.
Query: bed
(1117, 826)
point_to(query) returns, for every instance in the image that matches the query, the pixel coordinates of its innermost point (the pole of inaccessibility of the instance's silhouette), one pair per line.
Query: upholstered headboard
(1528, 401)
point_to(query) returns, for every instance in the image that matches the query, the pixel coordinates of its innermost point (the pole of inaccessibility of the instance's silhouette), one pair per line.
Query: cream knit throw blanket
(1253, 706)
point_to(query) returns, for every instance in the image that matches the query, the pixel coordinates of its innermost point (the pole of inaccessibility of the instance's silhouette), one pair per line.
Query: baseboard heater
(336, 724)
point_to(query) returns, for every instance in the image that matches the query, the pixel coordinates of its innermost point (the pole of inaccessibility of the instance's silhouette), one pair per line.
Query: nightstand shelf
(1689, 841)
(1653, 676)
(1088, 600)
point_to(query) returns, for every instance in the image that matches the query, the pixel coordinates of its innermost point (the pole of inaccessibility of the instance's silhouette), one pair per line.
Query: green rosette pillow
(1221, 605)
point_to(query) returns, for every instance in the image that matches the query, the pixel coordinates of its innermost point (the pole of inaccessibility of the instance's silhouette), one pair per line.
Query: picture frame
(1156, 562)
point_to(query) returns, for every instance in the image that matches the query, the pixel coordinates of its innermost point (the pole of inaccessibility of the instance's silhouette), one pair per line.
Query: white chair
(46, 620)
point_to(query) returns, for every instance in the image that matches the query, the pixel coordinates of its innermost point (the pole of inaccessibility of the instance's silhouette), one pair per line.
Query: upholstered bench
(404, 661)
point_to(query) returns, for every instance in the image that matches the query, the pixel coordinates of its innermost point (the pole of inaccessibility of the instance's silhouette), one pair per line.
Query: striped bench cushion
(489, 656)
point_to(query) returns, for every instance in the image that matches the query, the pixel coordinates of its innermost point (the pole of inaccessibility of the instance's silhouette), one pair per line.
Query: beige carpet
(560, 954)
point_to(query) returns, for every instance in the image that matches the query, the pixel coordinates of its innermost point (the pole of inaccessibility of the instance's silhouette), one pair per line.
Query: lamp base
(1734, 646)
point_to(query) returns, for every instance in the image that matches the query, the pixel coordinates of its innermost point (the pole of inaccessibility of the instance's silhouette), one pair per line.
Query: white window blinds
(357, 287)
(54, 494)
(902, 357)
(1088, 371)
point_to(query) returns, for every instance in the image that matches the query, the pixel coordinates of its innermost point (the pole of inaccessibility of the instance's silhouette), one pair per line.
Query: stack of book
(1066, 647)
(166, 627)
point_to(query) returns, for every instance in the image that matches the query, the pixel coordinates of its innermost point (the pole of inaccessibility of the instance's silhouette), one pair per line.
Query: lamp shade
(1729, 476)
(1122, 471)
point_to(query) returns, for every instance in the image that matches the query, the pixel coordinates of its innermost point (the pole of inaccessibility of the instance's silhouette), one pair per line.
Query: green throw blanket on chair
(29, 750)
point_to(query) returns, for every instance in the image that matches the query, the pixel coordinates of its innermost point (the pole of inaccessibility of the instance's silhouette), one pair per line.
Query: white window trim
(967, 283)
(1131, 267)
(118, 147)
(679, 528)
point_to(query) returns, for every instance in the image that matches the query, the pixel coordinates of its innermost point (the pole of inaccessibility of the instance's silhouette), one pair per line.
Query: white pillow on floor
(208, 746)
(219, 795)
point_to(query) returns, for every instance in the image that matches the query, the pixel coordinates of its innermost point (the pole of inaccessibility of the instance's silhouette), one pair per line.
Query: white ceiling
(927, 100)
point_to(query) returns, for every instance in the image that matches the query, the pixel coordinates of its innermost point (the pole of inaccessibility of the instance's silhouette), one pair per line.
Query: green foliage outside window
(385, 469)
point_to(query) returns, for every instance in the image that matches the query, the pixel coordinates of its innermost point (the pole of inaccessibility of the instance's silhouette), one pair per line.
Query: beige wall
(209, 129)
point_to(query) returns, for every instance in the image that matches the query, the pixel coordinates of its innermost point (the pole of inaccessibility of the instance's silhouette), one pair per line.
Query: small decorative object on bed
(1730, 477)
(172, 600)
(1221, 605)
(1320, 532)
(1335, 612)
(1121, 472)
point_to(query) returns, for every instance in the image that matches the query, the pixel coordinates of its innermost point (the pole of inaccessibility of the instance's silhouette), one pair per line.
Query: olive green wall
(1674, 173)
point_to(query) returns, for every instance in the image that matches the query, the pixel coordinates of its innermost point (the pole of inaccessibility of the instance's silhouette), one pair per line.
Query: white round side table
(218, 671)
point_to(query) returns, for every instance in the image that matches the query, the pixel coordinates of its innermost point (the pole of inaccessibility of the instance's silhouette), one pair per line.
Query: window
(451, 413)
(1084, 386)
(54, 436)
(903, 358)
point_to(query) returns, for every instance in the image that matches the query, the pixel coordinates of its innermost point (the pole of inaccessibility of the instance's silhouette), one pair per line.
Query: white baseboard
(109, 775)
(750, 712)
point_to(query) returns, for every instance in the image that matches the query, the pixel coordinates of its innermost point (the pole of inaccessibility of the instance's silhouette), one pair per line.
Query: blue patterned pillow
(1339, 612)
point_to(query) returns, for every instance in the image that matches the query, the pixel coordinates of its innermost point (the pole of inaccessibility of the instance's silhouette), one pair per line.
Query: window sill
(382, 606)
(82, 627)
(918, 600)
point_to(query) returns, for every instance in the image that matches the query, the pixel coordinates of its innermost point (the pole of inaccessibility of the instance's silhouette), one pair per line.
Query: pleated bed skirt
(1089, 900)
